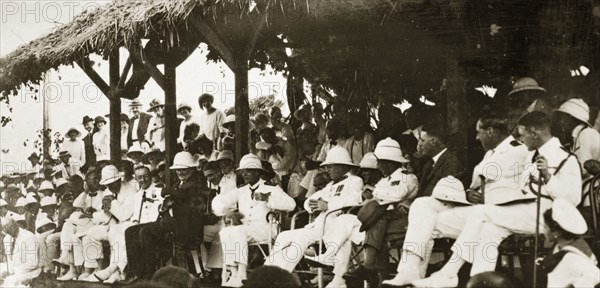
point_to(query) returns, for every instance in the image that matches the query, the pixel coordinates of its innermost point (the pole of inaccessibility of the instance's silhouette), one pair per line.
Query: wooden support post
(171, 118)
(242, 109)
(456, 104)
(115, 109)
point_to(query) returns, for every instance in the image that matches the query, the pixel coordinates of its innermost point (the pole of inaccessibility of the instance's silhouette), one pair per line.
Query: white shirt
(500, 167)
(228, 183)
(437, 157)
(586, 145)
(122, 206)
(565, 184)
(345, 193)
(575, 269)
(101, 142)
(84, 201)
(255, 212)
(399, 186)
(149, 211)
(134, 129)
(76, 149)
(210, 124)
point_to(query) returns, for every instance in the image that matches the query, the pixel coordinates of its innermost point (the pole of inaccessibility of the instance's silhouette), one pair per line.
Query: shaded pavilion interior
(368, 52)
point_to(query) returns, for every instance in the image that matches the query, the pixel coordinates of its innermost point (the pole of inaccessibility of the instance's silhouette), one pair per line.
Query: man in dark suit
(90, 155)
(433, 144)
(138, 123)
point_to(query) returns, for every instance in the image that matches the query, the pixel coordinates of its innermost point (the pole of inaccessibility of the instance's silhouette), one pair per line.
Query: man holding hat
(548, 174)
(155, 135)
(73, 145)
(570, 124)
(117, 203)
(101, 138)
(340, 231)
(443, 215)
(138, 123)
(182, 213)
(255, 199)
(386, 213)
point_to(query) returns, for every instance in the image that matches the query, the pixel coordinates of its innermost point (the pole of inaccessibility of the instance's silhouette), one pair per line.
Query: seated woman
(572, 262)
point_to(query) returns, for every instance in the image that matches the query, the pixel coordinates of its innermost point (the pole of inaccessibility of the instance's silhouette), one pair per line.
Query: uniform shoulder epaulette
(515, 143)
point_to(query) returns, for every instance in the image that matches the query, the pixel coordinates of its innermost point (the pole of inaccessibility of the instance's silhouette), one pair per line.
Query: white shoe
(437, 280)
(234, 282)
(103, 274)
(337, 282)
(113, 278)
(401, 279)
(83, 276)
(70, 275)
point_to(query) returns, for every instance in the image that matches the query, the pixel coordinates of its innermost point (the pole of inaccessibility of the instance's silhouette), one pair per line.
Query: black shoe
(362, 274)
(128, 281)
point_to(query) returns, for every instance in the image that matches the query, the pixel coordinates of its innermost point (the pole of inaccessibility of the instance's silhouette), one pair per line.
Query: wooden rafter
(125, 72)
(138, 57)
(86, 65)
(257, 30)
(214, 40)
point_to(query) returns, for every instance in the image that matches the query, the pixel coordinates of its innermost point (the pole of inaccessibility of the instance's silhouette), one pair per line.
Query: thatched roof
(99, 31)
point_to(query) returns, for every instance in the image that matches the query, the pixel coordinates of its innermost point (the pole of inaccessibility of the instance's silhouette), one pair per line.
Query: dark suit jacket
(142, 128)
(448, 164)
(90, 155)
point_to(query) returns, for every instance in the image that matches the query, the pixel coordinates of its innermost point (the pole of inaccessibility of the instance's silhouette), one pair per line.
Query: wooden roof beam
(126, 69)
(86, 65)
(138, 58)
(214, 40)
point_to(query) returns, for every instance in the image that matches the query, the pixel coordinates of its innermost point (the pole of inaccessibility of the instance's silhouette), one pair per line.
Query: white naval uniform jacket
(24, 257)
(255, 212)
(121, 207)
(564, 183)
(345, 193)
(400, 186)
(149, 211)
(501, 168)
(576, 269)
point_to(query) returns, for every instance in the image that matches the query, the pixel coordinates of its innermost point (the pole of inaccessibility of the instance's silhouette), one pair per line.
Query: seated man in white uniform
(117, 204)
(343, 191)
(85, 205)
(22, 254)
(254, 200)
(552, 173)
(431, 218)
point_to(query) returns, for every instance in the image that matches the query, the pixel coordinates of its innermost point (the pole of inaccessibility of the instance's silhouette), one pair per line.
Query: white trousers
(211, 256)
(92, 244)
(488, 225)
(235, 239)
(45, 255)
(339, 234)
(428, 219)
(71, 252)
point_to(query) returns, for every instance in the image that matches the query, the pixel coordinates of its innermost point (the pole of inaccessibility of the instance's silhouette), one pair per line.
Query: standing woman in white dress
(74, 145)
(101, 139)
(155, 136)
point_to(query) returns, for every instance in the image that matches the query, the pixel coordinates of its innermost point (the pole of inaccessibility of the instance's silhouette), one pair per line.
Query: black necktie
(535, 155)
(253, 190)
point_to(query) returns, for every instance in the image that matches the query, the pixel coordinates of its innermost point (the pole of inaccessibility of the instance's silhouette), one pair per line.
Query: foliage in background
(263, 104)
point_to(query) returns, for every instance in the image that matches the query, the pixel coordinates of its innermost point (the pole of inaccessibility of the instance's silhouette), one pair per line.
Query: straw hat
(450, 189)
(44, 225)
(183, 160)
(225, 155)
(155, 152)
(155, 103)
(229, 119)
(577, 108)
(47, 201)
(73, 129)
(60, 182)
(110, 174)
(568, 217)
(184, 105)
(389, 149)
(134, 149)
(29, 199)
(135, 103)
(526, 84)
(46, 185)
(338, 155)
(369, 161)
(250, 162)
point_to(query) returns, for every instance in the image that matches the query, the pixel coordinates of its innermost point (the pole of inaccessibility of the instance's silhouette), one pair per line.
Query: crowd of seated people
(83, 217)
